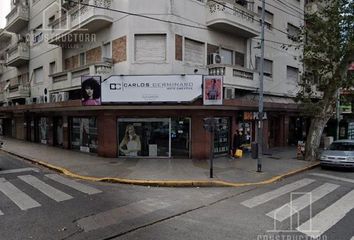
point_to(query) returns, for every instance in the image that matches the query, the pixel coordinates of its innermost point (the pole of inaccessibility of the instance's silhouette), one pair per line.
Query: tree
(327, 39)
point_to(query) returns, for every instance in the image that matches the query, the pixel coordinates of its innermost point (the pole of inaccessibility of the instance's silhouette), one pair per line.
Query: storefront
(84, 134)
(153, 137)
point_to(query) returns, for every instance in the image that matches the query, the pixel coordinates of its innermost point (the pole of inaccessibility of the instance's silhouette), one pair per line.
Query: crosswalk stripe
(295, 206)
(352, 238)
(48, 190)
(1, 213)
(22, 200)
(323, 221)
(19, 170)
(73, 184)
(258, 200)
(333, 177)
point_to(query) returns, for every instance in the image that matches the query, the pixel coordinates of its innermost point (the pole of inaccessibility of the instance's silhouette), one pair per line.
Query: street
(40, 204)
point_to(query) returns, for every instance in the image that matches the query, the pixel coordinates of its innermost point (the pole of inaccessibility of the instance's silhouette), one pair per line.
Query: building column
(107, 135)
(50, 131)
(200, 139)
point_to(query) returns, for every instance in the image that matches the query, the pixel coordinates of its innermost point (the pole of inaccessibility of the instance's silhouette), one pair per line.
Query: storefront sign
(158, 88)
(212, 90)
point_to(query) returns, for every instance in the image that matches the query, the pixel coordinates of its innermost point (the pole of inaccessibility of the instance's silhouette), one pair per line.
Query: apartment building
(50, 46)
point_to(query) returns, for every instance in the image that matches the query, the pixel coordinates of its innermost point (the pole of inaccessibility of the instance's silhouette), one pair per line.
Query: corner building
(48, 46)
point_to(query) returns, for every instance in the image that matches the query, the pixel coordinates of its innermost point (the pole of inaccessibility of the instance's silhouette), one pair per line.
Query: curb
(161, 183)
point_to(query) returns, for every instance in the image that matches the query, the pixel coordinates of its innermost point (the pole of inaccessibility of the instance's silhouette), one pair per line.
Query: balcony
(234, 76)
(18, 55)
(233, 18)
(5, 36)
(18, 87)
(18, 18)
(80, 20)
(71, 79)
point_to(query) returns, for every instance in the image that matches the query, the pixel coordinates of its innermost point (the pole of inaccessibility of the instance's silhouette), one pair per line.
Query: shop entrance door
(180, 137)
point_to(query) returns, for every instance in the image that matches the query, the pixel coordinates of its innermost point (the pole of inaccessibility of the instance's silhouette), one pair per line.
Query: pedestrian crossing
(316, 225)
(26, 202)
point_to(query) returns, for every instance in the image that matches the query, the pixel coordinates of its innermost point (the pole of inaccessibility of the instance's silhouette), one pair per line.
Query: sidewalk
(162, 172)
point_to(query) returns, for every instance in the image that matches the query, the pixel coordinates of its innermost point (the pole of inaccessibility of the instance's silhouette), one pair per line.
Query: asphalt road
(36, 203)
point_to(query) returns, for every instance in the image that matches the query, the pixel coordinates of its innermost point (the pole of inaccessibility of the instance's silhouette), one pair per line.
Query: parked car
(339, 154)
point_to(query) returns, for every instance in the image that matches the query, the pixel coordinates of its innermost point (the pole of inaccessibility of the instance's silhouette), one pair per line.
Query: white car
(339, 154)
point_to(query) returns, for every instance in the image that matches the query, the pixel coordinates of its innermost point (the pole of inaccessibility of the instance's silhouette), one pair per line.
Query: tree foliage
(328, 44)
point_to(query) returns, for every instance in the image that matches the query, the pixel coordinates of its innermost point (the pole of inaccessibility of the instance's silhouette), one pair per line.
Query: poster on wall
(212, 90)
(91, 90)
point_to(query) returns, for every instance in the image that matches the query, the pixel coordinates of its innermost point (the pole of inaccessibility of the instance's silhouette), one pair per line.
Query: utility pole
(260, 103)
(337, 113)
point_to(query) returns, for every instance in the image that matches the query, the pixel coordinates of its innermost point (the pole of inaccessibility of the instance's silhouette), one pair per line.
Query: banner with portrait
(91, 90)
(213, 90)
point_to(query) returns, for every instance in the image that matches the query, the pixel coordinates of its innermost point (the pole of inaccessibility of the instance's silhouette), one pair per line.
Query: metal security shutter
(194, 52)
(150, 48)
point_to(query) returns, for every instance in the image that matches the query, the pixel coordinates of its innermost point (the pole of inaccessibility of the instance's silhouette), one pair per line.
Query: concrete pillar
(66, 132)
(200, 139)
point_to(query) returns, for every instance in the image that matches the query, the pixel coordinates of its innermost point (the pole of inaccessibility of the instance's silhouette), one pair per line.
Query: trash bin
(254, 150)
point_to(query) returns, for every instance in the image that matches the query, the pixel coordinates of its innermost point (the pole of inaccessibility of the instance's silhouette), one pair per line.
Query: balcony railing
(18, 55)
(233, 17)
(72, 78)
(79, 20)
(18, 18)
(233, 75)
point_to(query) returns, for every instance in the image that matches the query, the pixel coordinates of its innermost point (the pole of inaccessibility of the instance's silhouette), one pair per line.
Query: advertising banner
(212, 90)
(91, 90)
(156, 88)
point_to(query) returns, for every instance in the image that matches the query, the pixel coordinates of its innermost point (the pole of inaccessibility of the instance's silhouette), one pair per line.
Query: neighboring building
(50, 45)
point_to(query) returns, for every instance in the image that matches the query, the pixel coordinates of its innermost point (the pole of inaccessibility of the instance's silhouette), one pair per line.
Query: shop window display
(84, 134)
(43, 130)
(144, 137)
(222, 137)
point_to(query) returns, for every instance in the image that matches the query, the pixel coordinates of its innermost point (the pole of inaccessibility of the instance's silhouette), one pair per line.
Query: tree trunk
(314, 137)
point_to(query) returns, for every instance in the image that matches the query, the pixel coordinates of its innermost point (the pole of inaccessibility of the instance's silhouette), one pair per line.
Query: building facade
(49, 46)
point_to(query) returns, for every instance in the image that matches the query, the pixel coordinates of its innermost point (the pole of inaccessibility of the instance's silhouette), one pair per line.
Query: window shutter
(150, 48)
(194, 52)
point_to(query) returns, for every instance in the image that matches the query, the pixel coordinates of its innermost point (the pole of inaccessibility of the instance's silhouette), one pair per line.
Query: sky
(4, 10)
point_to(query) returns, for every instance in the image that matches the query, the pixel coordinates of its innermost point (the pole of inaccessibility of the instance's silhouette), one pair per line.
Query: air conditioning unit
(29, 101)
(40, 99)
(229, 93)
(53, 97)
(63, 96)
(214, 58)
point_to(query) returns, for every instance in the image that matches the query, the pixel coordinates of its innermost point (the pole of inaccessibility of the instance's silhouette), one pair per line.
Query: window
(268, 18)
(38, 75)
(267, 67)
(150, 48)
(194, 52)
(292, 74)
(82, 59)
(293, 31)
(240, 59)
(226, 56)
(52, 67)
(37, 34)
(107, 52)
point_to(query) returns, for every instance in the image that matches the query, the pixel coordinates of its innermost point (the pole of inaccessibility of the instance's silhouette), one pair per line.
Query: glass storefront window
(84, 134)
(43, 130)
(222, 137)
(180, 137)
(145, 137)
